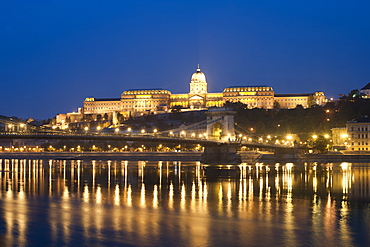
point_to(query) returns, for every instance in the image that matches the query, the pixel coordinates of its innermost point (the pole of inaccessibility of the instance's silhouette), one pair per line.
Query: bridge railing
(151, 136)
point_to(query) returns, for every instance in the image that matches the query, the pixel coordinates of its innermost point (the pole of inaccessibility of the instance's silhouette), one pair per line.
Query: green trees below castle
(300, 121)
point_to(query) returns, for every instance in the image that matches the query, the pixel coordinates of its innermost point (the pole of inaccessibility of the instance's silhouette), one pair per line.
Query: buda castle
(137, 102)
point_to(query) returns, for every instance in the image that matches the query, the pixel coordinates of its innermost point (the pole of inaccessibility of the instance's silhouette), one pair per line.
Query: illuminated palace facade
(139, 101)
(136, 102)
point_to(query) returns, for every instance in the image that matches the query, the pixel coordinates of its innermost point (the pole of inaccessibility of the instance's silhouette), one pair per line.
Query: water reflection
(156, 203)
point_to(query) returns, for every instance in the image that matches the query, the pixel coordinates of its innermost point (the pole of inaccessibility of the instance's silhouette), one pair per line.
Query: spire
(198, 69)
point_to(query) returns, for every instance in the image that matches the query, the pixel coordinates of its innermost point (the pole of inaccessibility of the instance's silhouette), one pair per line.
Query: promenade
(247, 156)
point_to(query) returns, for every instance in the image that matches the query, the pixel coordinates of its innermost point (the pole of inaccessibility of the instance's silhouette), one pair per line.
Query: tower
(198, 90)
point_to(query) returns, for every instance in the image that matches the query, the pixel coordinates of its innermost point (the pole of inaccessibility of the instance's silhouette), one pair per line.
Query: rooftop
(293, 95)
(366, 87)
(363, 119)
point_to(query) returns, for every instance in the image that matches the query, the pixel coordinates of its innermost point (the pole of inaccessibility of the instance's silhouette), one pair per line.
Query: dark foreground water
(120, 203)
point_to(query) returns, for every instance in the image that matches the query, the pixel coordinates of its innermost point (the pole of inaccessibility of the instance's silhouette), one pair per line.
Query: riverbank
(132, 156)
(323, 158)
(328, 158)
(246, 156)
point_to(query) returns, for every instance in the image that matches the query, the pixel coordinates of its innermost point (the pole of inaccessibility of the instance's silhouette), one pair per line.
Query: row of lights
(10, 126)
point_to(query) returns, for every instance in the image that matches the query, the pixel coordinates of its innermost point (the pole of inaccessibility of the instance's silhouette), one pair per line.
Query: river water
(130, 203)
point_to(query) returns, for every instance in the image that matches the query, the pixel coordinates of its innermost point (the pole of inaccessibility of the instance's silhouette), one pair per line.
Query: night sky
(54, 54)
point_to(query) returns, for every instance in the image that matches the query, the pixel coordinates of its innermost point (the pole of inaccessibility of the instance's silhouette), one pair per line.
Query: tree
(176, 108)
(354, 94)
(276, 105)
(321, 144)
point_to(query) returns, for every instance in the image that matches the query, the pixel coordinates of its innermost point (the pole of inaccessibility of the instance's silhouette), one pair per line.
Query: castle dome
(198, 76)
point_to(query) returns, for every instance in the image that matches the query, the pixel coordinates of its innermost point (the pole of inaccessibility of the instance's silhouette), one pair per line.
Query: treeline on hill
(300, 121)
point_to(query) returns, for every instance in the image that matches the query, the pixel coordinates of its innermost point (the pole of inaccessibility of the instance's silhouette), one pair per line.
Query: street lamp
(86, 129)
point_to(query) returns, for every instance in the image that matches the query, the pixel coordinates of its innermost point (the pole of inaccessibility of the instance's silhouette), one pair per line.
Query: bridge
(216, 134)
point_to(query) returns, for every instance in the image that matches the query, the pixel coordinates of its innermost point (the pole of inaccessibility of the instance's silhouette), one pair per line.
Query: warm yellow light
(143, 96)
(98, 128)
(289, 137)
(128, 129)
(155, 130)
(86, 128)
(21, 125)
(10, 126)
(247, 93)
(314, 136)
(116, 130)
(326, 136)
(268, 137)
(143, 131)
(344, 135)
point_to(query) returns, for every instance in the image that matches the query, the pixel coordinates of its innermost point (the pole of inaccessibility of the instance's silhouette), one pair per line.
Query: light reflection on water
(60, 202)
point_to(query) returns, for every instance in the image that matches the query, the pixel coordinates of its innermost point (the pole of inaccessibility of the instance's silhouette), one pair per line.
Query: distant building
(136, 102)
(289, 101)
(366, 90)
(359, 133)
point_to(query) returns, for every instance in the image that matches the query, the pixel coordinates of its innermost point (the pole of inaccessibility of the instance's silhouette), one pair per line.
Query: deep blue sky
(53, 54)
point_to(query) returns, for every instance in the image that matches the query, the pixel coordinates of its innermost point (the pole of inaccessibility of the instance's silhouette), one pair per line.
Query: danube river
(131, 203)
